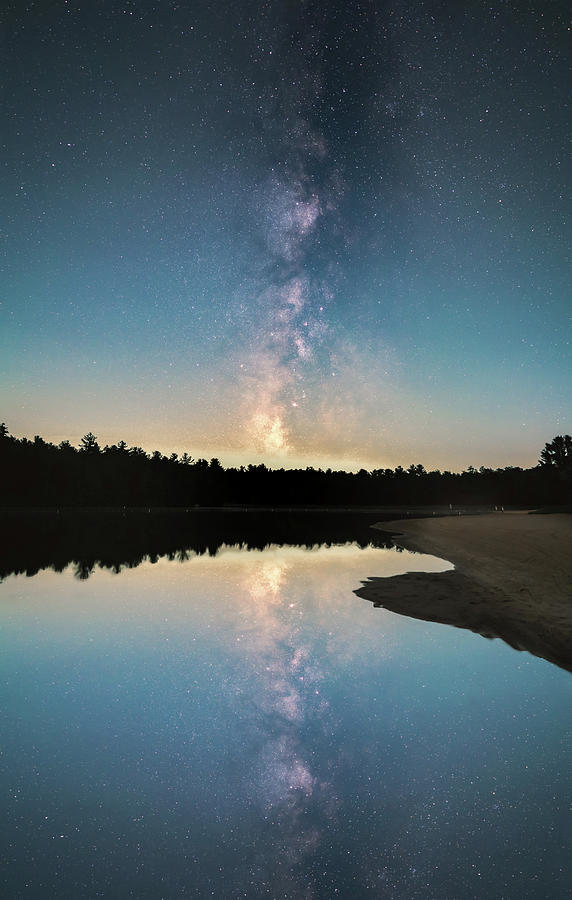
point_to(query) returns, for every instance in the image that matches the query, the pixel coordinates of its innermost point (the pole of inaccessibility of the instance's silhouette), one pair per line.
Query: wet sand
(512, 578)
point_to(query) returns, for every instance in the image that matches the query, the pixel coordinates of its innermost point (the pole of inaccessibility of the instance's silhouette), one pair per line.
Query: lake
(240, 724)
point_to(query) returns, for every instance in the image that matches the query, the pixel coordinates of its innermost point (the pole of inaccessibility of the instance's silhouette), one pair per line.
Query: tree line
(38, 473)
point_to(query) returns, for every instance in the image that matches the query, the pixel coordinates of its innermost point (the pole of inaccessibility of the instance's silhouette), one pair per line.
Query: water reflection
(242, 724)
(453, 599)
(297, 661)
(124, 538)
(224, 670)
(288, 692)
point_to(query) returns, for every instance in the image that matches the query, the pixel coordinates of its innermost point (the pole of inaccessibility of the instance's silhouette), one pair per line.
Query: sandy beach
(512, 578)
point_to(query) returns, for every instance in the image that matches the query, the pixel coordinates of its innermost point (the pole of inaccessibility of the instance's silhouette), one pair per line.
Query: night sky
(304, 233)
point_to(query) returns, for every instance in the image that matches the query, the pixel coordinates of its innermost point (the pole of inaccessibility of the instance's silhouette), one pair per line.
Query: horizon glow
(323, 235)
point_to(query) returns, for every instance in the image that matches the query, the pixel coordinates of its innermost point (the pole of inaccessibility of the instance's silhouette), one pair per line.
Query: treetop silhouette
(37, 473)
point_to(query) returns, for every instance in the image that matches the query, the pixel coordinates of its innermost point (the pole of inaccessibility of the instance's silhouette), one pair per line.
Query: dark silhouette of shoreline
(450, 598)
(32, 540)
(39, 474)
(512, 579)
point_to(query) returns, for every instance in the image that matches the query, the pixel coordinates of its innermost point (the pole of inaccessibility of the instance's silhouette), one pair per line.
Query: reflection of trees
(114, 539)
(83, 569)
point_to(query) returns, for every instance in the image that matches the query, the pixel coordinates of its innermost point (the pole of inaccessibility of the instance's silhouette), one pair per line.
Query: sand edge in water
(512, 578)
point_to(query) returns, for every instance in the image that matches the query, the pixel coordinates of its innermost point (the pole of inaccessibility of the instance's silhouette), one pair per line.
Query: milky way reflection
(243, 725)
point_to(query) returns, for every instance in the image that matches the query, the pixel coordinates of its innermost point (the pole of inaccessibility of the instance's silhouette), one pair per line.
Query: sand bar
(512, 578)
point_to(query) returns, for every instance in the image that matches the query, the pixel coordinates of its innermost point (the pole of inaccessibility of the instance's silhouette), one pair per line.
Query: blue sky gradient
(305, 234)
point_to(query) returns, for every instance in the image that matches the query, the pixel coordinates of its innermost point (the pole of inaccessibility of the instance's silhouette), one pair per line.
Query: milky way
(292, 314)
(315, 233)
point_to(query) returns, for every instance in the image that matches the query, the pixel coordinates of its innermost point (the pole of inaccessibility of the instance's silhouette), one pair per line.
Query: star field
(238, 724)
(303, 233)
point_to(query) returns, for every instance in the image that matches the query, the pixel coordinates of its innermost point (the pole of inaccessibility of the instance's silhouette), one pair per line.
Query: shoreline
(512, 578)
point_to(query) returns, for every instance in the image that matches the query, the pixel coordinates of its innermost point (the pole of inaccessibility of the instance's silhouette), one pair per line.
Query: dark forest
(36, 473)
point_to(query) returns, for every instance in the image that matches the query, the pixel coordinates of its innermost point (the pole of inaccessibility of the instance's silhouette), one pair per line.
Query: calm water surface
(244, 726)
